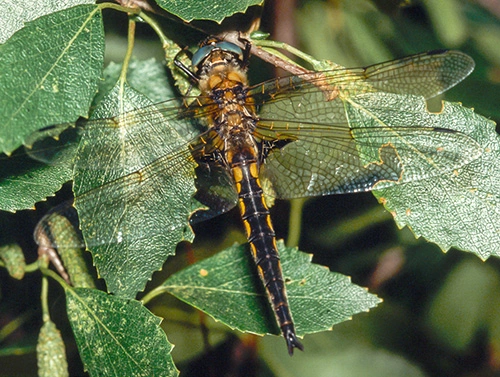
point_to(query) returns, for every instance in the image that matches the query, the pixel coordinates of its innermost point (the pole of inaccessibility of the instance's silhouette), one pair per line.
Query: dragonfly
(303, 135)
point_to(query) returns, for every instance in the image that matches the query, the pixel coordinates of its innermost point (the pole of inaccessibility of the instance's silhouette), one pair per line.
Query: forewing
(54, 144)
(427, 74)
(124, 162)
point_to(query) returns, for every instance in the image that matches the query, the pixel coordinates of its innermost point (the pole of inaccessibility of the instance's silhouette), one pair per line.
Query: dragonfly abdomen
(262, 239)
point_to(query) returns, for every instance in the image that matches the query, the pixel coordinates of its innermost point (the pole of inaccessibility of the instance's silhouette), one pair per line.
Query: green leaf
(148, 77)
(13, 257)
(24, 181)
(133, 187)
(206, 9)
(54, 64)
(15, 14)
(226, 286)
(458, 206)
(118, 337)
(51, 353)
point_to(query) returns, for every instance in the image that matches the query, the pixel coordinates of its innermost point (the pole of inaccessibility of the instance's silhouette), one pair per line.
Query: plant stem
(44, 299)
(128, 55)
(153, 293)
(350, 227)
(172, 51)
(12, 326)
(119, 8)
(295, 222)
(56, 277)
(166, 43)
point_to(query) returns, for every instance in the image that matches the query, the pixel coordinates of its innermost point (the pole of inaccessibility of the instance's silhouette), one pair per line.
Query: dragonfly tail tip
(292, 342)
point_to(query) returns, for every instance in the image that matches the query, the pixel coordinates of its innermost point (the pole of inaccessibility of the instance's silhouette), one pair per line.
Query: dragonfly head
(217, 62)
(213, 50)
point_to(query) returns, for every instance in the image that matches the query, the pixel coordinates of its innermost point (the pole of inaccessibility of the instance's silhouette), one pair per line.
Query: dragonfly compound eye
(224, 48)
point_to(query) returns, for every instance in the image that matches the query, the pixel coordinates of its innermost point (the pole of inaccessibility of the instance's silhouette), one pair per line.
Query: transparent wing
(50, 144)
(137, 162)
(215, 189)
(427, 74)
(332, 148)
(341, 160)
(362, 137)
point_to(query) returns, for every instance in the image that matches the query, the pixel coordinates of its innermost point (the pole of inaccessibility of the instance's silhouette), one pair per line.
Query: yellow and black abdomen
(261, 237)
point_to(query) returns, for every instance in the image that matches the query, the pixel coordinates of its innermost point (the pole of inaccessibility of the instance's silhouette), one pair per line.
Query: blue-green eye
(204, 51)
(201, 54)
(231, 47)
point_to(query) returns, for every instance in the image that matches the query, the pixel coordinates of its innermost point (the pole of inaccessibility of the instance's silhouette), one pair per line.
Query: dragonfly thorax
(222, 79)
(236, 121)
(221, 75)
